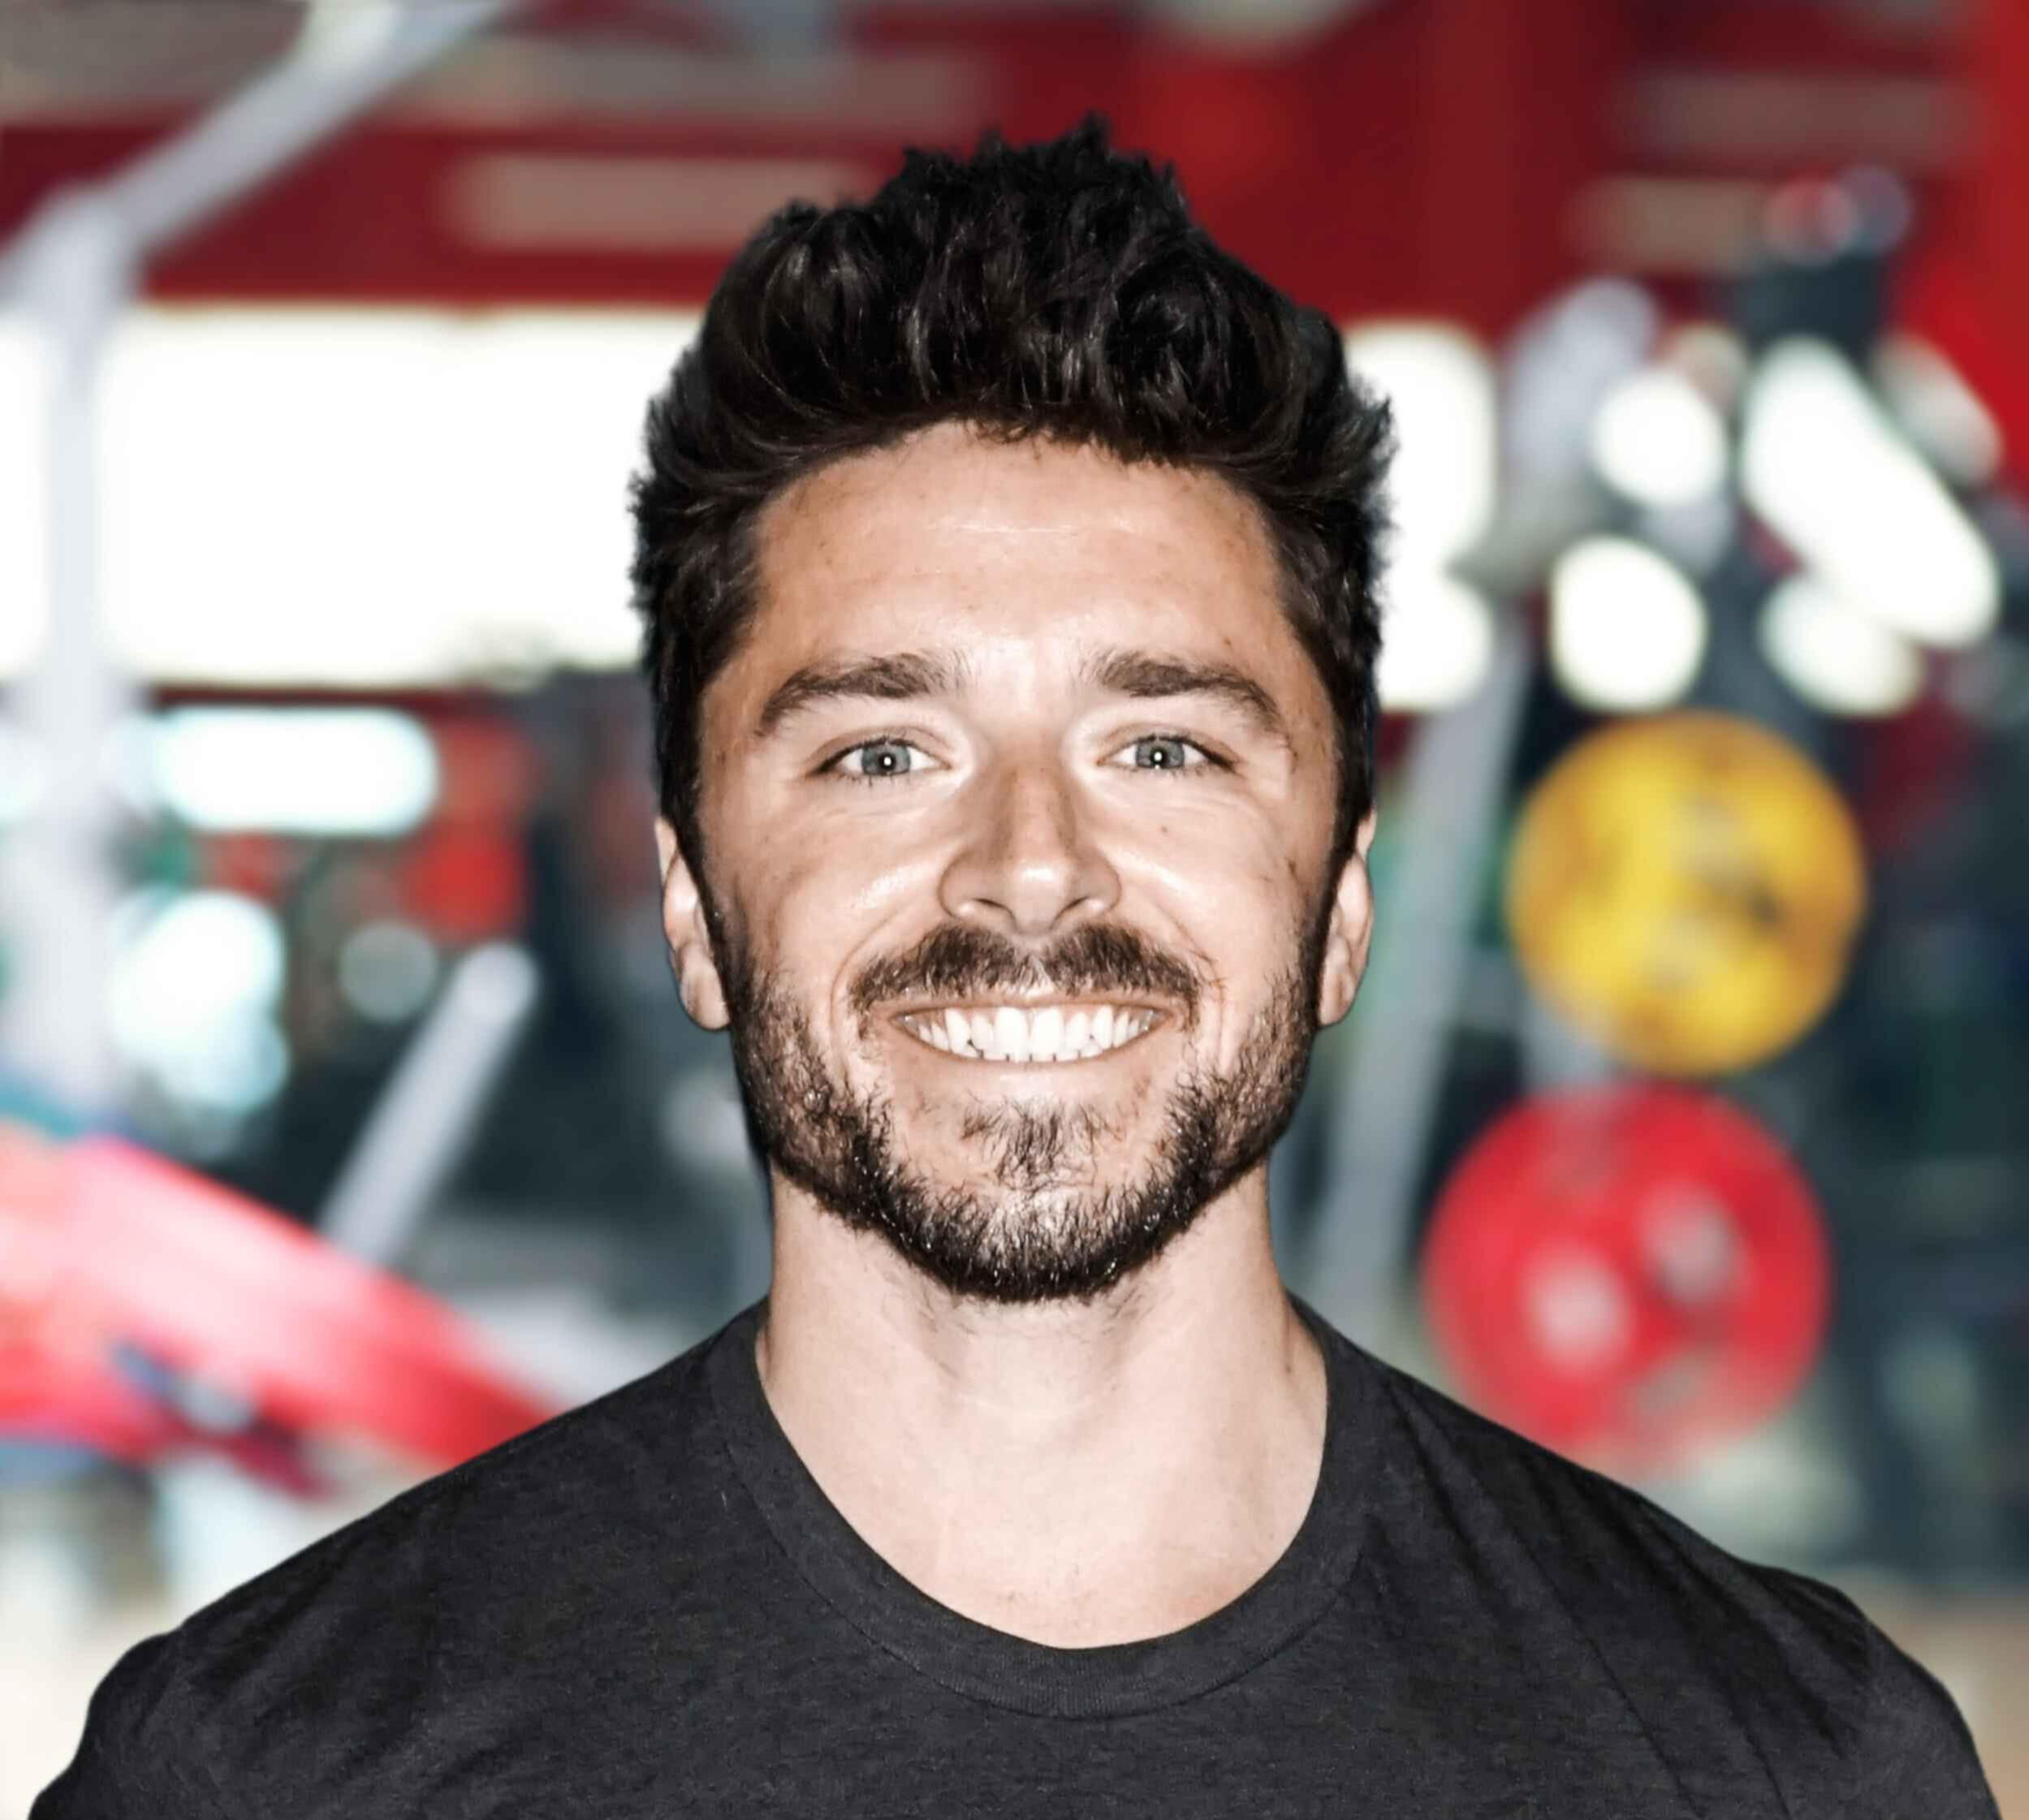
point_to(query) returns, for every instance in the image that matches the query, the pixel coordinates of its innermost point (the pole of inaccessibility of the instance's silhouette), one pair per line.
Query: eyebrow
(910, 675)
(897, 676)
(1148, 675)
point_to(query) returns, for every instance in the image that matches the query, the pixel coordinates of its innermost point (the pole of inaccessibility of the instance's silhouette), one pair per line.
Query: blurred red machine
(145, 1309)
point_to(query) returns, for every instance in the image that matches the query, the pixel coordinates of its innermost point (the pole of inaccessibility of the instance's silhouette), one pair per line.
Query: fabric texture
(647, 1608)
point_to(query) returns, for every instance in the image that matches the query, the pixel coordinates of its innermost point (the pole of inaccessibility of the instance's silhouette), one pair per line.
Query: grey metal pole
(58, 880)
(1558, 366)
(423, 1118)
(350, 55)
(1400, 1038)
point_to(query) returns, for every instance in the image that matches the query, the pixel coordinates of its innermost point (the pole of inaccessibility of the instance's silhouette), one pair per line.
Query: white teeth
(1051, 1034)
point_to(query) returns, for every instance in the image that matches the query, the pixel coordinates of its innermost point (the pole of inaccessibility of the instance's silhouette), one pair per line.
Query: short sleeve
(1914, 1758)
(133, 1760)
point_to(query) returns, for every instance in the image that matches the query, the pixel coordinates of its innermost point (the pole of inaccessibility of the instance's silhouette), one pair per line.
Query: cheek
(832, 909)
(1241, 910)
(821, 852)
(1219, 875)
(823, 915)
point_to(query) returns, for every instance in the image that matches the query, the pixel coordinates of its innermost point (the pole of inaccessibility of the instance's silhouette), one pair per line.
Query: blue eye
(1168, 751)
(889, 758)
(880, 759)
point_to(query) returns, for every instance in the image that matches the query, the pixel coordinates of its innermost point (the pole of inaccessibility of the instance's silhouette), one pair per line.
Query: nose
(1031, 867)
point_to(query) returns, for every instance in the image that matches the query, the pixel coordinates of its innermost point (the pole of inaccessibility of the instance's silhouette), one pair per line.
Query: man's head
(1007, 554)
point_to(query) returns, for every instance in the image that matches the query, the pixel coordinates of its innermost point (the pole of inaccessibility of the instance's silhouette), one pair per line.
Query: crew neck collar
(976, 1660)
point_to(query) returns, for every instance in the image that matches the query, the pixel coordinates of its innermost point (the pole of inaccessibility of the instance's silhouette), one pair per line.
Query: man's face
(1017, 805)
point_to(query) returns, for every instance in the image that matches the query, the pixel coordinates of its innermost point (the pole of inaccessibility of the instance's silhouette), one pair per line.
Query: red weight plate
(251, 1307)
(1627, 1273)
(83, 1400)
(49, 1395)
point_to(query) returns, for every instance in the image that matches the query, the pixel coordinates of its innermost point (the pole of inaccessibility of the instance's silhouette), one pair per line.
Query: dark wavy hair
(1059, 289)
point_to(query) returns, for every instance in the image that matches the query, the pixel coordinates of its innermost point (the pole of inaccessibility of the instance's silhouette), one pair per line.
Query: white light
(1437, 633)
(1658, 440)
(1437, 641)
(191, 993)
(1627, 629)
(374, 498)
(25, 378)
(1939, 412)
(1441, 483)
(295, 770)
(1821, 464)
(1833, 655)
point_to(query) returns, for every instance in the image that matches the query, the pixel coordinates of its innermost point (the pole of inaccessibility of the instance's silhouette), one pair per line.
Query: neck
(1075, 1473)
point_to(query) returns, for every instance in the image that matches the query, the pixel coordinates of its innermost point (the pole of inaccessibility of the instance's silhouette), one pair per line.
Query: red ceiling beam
(1969, 290)
(1419, 156)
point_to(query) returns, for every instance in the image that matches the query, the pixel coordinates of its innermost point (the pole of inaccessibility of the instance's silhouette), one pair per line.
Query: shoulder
(524, 1514)
(1708, 1651)
(133, 1761)
(518, 1563)
(1601, 1548)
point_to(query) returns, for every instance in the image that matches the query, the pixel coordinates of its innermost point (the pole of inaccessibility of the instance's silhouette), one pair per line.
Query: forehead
(953, 537)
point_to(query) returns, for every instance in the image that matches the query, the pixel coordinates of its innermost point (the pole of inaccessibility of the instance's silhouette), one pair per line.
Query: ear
(683, 926)
(1351, 932)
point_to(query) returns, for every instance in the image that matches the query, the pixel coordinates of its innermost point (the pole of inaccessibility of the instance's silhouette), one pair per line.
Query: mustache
(1096, 961)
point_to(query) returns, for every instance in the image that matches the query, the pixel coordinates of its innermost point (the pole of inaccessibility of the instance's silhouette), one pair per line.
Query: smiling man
(1007, 555)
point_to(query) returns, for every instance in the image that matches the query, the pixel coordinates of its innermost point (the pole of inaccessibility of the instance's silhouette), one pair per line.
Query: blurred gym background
(349, 1120)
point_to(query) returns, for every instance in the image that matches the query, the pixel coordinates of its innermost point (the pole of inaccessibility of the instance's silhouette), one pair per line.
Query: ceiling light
(1836, 657)
(374, 498)
(1627, 627)
(293, 770)
(1823, 466)
(1437, 642)
(1657, 440)
(1440, 384)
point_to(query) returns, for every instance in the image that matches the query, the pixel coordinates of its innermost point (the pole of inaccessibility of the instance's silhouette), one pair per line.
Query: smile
(1011, 1033)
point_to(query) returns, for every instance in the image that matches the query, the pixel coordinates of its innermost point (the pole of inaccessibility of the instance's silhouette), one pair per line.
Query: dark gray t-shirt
(647, 1608)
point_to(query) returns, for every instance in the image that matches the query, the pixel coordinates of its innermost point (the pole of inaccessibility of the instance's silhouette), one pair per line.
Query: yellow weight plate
(1686, 887)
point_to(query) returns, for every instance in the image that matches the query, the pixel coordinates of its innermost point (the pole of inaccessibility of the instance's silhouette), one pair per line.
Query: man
(1007, 554)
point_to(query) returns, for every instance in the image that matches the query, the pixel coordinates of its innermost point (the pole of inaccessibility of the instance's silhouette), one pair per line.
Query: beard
(1038, 1223)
